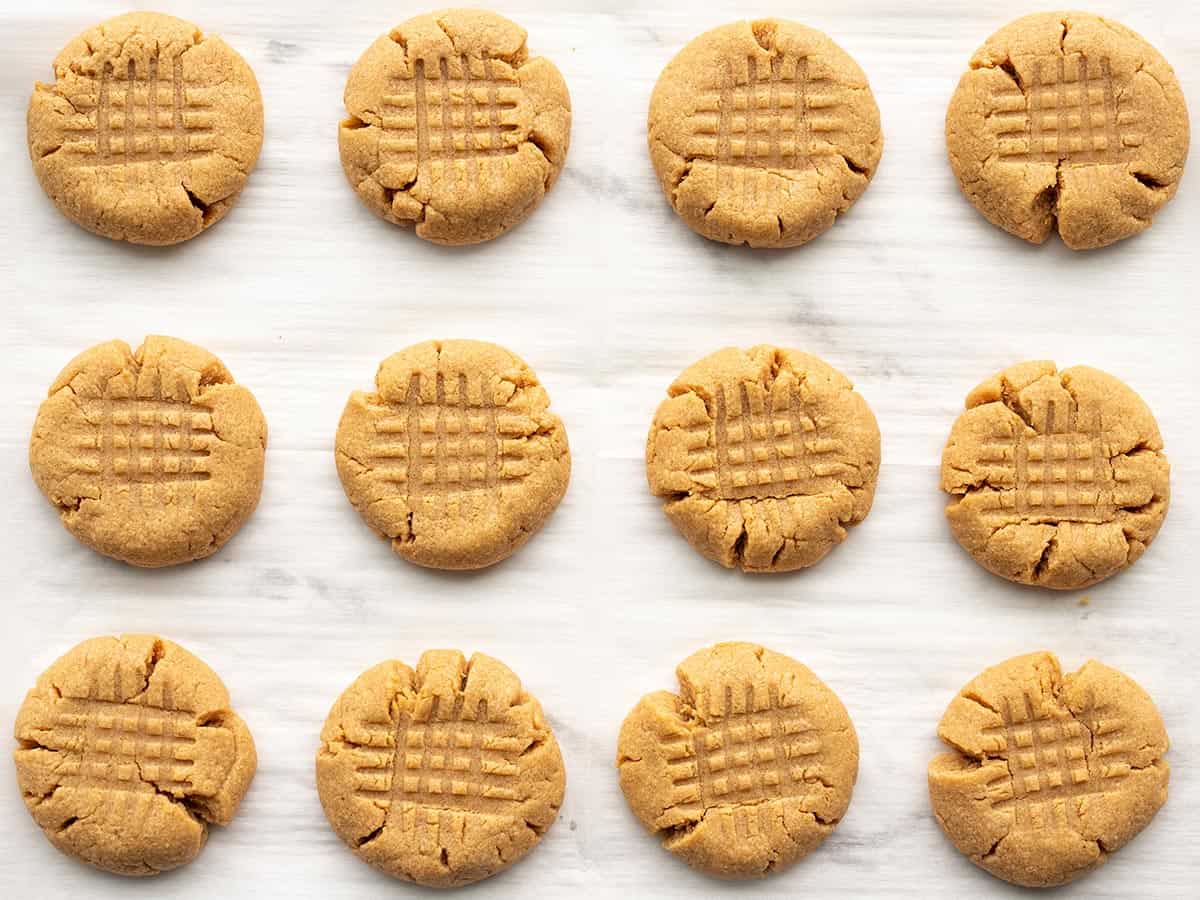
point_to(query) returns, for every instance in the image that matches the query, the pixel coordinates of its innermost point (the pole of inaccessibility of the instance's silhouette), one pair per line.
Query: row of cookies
(448, 773)
(760, 132)
(764, 459)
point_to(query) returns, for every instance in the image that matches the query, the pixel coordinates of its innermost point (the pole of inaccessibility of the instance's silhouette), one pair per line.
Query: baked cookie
(455, 458)
(153, 457)
(442, 776)
(1049, 774)
(763, 132)
(128, 751)
(149, 130)
(1066, 121)
(748, 769)
(452, 127)
(764, 457)
(1057, 479)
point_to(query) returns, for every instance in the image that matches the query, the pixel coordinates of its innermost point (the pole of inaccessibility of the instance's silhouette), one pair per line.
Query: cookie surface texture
(1049, 774)
(763, 132)
(154, 457)
(1068, 122)
(453, 127)
(442, 776)
(148, 132)
(764, 457)
(1057, 479)
(455, 458)
(128, 751)
(745, 771)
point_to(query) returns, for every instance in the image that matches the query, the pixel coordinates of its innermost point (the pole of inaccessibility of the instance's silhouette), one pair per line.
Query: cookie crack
(979, 700)
(361, 842)
(1043, 562)
(676, 832)
(855, 167)
(157, 651)
(207, 210)
(34, 800)
(1149, 181)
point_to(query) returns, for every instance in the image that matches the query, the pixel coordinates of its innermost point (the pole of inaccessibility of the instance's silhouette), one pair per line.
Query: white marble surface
(302, 291)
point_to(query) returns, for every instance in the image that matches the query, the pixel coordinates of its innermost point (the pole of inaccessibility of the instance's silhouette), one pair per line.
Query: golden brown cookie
(128, 751)
(453, 127)
(763, 457)
(1049, 774)
(763, 132)
(153, 457)
(1066, 121)
(456, 457)
(442, 776)
(748, 769)
(149, 130)
(1057, 479)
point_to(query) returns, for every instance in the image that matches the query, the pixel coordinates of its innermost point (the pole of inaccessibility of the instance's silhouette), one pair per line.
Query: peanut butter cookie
(763, 132)
(1049, 774)
(455, 458)
(1066, 121)
(1057, 479)
(748, 769)
(442, 776)
(764, 458)
(153, 457)
(149, 130)
(128, 751)
(453, 127)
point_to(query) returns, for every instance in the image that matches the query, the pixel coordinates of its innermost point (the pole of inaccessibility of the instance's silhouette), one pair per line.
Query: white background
(302, 291)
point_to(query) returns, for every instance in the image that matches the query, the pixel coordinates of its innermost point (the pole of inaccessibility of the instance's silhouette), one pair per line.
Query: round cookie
(1048, 774)
(153, 457)
(1066, 121)
(1057, 479)
(442, 776)
(455, 458)
(128, 751)
(763, 457)
(763, 132)
(748, 769)
(453, 128)
(149, 130)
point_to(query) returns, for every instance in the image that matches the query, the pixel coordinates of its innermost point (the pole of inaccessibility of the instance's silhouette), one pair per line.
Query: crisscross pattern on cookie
(1052, 765)
(755, 749)
(456, 113)
(113, 745)
(761, 446)
(773, 114)
(143, 442)
(140, 113)
(1058, 469)
(460, 442)
(464, 763)
(1069, 111)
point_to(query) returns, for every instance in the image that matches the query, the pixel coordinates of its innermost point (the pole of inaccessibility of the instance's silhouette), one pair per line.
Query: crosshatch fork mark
(465, 763)
(743, 756)
(111, 745)
(459, 443)
(1069, 111)
(753, 451)
(145, 443)
(133, 116)
(1061, 472)
(772, 117)
(454, 114)
(1049, 772)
